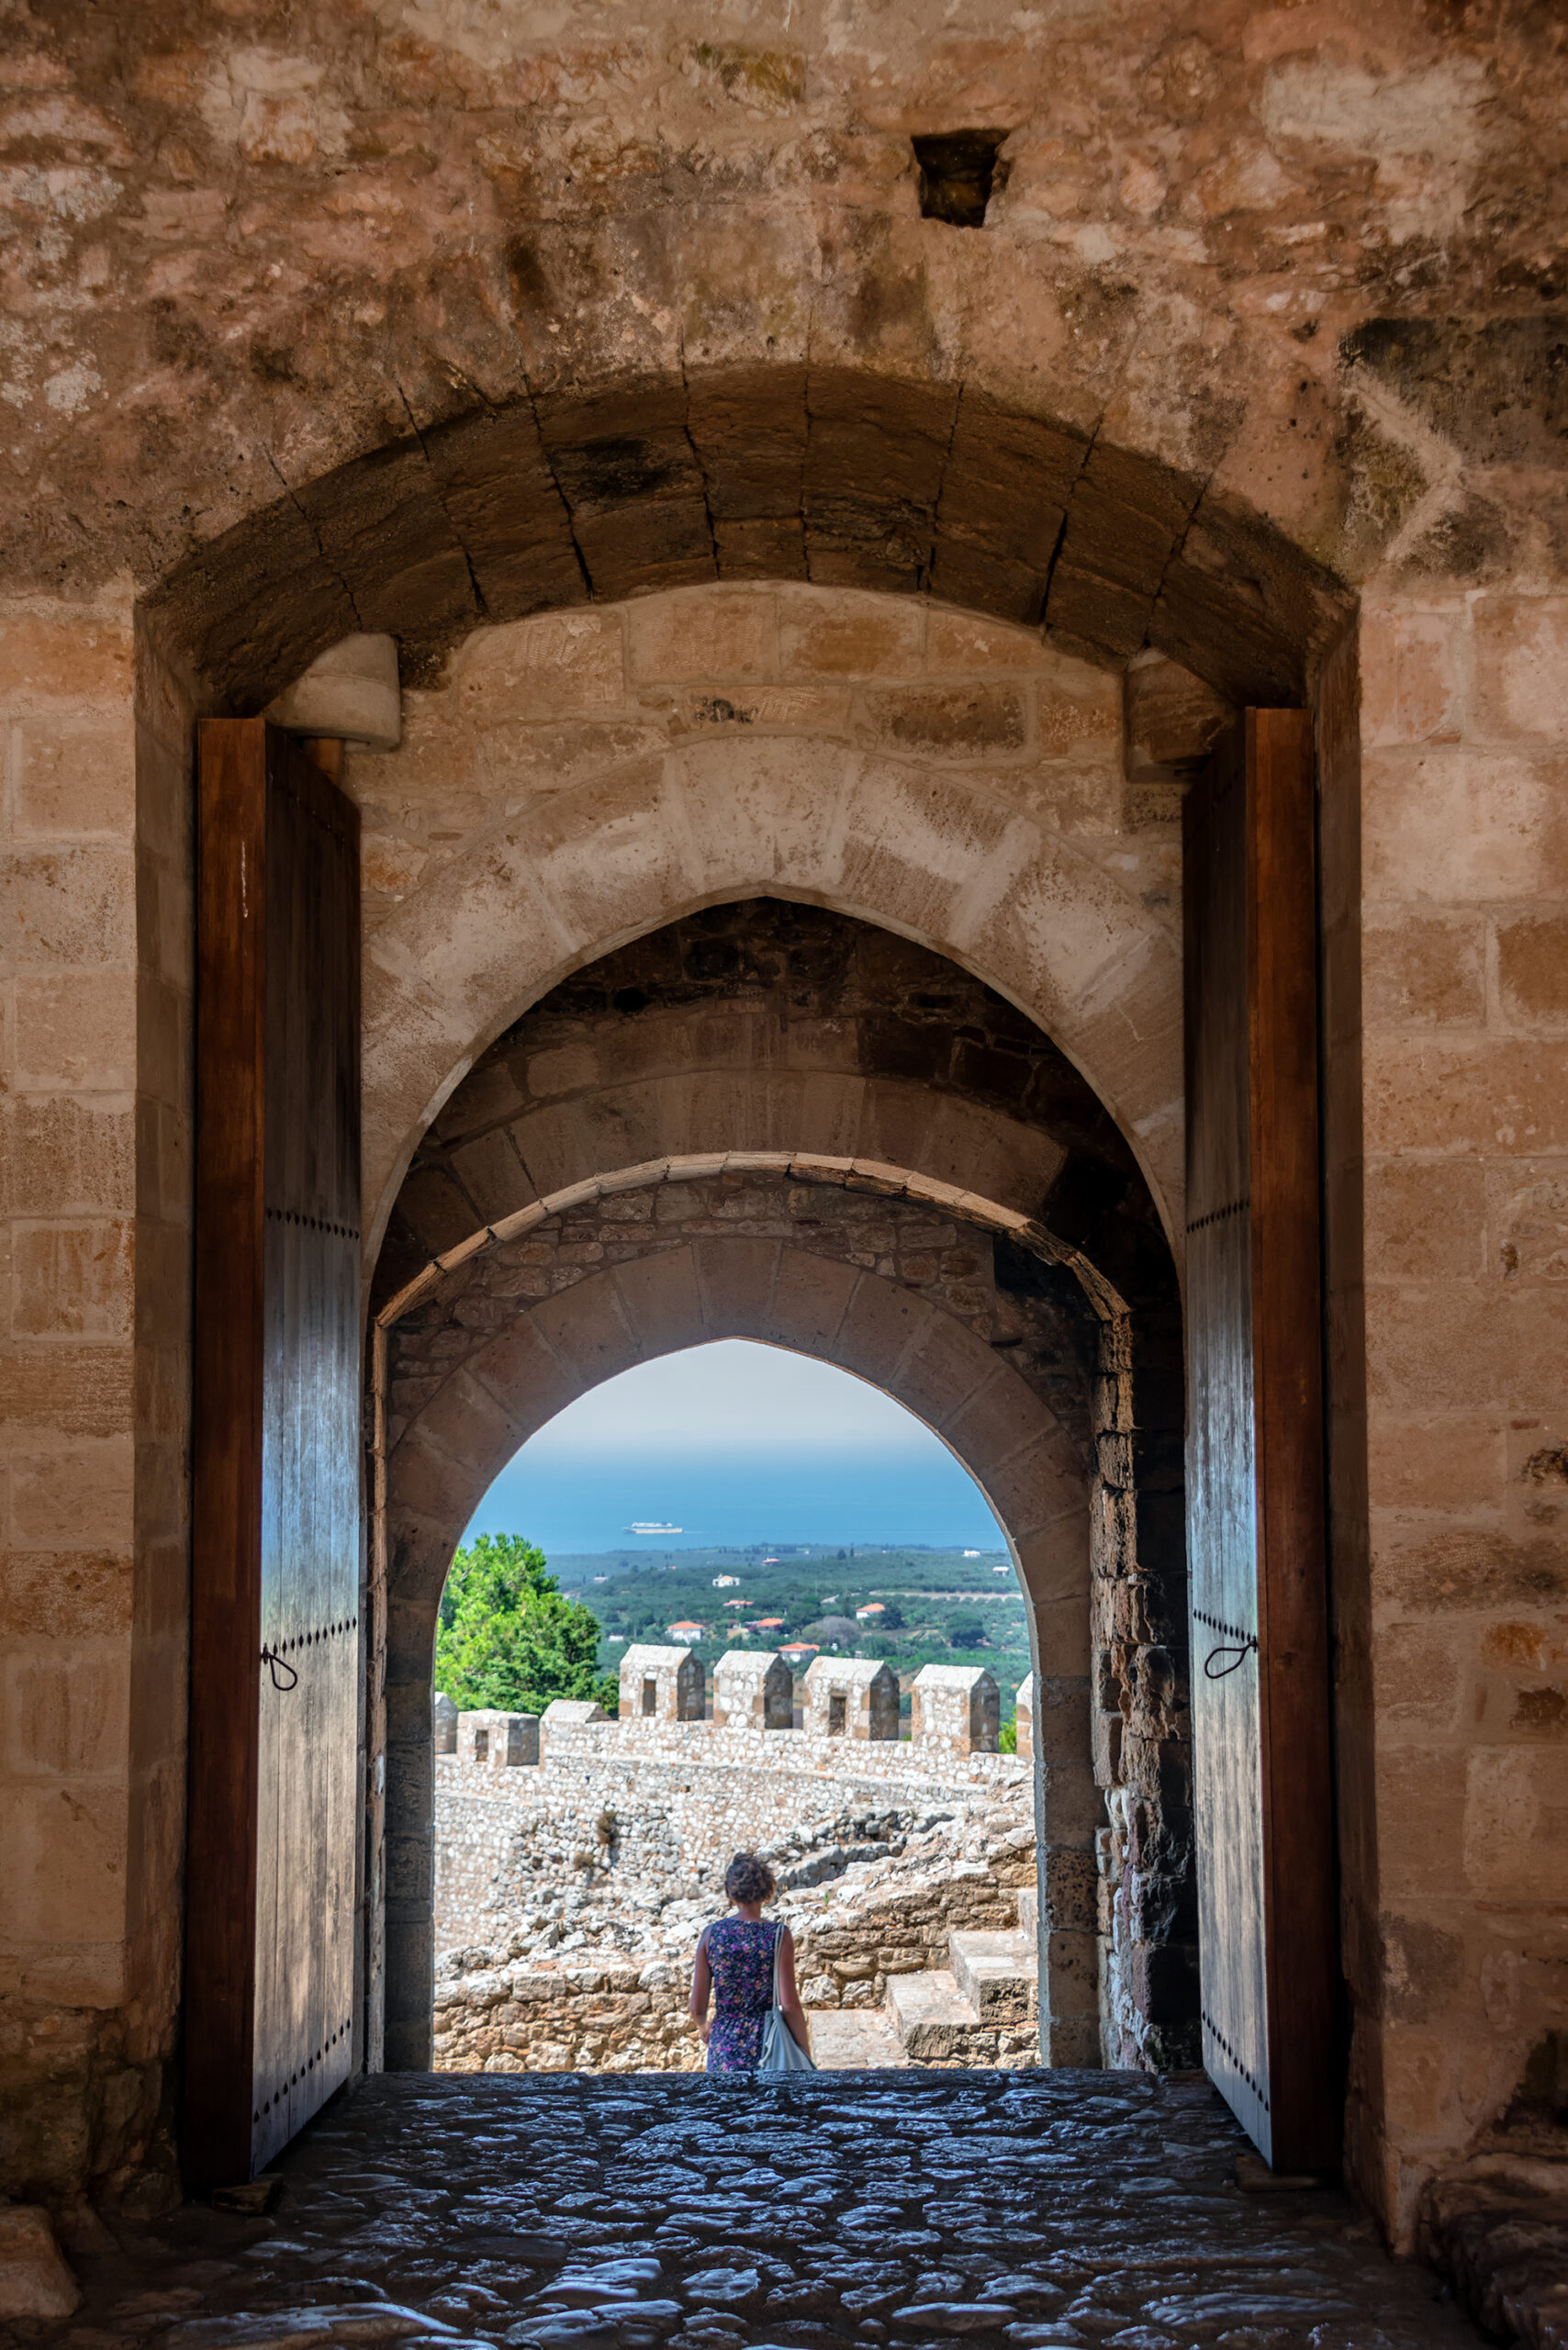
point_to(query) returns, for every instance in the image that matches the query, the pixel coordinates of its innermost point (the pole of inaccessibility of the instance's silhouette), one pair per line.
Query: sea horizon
(581, 1502)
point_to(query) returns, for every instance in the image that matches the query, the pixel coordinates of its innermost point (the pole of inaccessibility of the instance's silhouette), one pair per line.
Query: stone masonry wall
(95, 1233)
(1460, 882)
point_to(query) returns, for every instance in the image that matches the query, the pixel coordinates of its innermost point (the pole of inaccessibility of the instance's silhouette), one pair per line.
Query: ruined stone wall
(610, 2016)
(637, 1817)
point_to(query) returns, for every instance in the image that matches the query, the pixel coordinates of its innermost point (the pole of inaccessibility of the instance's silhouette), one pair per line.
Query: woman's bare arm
(702, 1984)
(788, 1996)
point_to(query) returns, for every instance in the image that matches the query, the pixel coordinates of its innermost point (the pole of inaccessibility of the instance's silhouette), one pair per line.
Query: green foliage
(1007, 1736)
(966, 1627)
(507, 1638)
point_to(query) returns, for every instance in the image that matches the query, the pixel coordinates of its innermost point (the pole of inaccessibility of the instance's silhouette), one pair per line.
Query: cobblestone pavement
(1017, 2210)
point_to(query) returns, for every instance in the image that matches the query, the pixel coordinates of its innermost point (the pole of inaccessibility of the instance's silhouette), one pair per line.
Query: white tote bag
(781, 2052)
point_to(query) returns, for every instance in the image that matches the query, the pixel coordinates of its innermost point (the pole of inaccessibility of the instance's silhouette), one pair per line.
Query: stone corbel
(349, 694)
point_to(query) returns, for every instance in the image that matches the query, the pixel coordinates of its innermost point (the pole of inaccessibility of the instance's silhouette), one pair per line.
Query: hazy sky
(736, 1442)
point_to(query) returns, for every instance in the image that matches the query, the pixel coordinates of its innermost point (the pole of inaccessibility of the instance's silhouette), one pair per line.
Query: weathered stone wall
(94, 1200)
(920, 766)
(1461, 880)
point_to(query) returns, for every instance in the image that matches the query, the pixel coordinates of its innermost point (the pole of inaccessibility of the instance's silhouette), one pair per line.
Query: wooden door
(1255, 1500)
(275, 1570)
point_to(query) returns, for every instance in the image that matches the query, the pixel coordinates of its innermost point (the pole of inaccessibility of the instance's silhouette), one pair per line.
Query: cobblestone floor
(1015, 2210)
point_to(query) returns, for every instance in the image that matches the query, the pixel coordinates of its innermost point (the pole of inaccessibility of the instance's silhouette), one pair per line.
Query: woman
(735, 1961)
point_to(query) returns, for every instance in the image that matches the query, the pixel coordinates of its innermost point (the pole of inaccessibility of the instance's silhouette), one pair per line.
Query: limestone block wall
(95, 1402)
(1449, 1127)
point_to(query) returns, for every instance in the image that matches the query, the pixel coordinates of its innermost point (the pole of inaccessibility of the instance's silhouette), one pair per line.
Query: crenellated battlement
(664, 1711)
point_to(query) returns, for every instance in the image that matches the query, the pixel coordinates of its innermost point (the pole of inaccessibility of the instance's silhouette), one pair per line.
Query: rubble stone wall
(625, 2016)
(634, 1818)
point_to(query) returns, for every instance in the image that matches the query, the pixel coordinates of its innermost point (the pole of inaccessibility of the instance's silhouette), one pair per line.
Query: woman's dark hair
(749, 1879)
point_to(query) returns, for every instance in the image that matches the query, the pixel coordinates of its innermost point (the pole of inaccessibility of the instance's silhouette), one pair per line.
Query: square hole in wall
(650, 1697)
(958, 173)
(838, 1715)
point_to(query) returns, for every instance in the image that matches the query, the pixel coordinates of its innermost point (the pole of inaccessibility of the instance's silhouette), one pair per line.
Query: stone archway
(469, 1368)
(855, 474)
(960, 787)
(782, 1041)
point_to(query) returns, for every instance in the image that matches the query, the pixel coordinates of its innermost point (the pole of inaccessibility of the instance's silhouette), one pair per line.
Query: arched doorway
(814, 1656)
(1023, 1345)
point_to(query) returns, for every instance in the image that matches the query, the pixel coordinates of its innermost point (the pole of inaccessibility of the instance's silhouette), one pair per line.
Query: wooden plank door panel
(1262, 1792)
(276, 1564)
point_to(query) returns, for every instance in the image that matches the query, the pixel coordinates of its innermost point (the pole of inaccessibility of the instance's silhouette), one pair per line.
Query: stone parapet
(803, 1750)
(663, 1685)
(753, 1689)
(955, 1709)
(851, 1696)
(489, 1740)
(1023, 1719)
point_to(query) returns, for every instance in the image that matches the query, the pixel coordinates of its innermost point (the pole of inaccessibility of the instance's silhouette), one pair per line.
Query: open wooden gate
(275, 1632)
(1255, 1498)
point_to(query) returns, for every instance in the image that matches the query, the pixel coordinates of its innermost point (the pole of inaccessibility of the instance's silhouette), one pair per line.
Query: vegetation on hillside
(946, 1606)
(508, 1639)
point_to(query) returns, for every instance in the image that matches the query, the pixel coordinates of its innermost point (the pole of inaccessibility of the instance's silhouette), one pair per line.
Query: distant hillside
(934, 1606)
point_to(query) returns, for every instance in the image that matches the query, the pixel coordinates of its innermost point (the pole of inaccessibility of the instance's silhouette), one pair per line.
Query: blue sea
(581, 1502)
(735, 1443)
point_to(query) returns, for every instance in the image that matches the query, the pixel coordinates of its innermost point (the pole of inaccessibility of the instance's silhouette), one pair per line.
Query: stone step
(853, 2040)
(996, 1973)
(935, 2024)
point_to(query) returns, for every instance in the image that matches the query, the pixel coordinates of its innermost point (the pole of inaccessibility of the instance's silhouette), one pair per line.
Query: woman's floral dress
(740, 1955)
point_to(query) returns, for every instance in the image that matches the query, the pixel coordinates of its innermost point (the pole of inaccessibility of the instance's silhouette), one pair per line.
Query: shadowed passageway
(1015, 2210)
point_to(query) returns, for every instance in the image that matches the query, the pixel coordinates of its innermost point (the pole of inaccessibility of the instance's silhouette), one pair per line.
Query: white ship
(647, 1526)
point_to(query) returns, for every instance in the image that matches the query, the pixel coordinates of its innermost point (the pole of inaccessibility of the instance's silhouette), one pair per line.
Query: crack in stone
(480, 604)
(316, 538)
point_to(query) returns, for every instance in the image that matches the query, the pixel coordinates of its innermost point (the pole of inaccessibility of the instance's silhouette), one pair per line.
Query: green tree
(506, 1638)
(1007, 1736)
(966, 1629)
